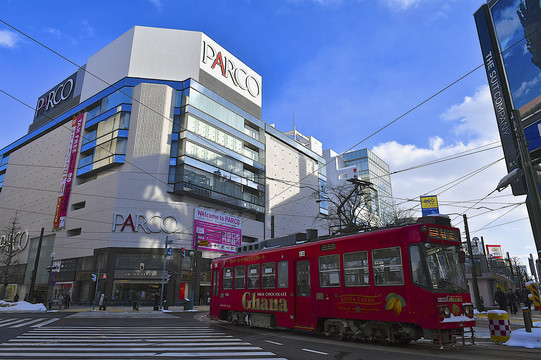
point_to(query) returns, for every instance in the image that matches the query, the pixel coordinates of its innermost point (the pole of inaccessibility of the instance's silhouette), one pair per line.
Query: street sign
(204, 243)
(169, 251)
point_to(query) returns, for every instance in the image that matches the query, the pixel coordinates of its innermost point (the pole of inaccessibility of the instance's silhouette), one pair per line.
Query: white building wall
(291, 190)
(144, 52)
(32, 183)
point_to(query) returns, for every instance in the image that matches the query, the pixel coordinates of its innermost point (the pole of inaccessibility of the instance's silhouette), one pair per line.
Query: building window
(79, 205)
(73, 232)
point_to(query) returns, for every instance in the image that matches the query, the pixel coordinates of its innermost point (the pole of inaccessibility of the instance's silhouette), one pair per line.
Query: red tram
(395, 285)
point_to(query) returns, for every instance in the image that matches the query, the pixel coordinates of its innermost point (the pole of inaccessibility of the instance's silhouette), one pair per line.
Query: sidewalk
(128, 309)
(516, 319)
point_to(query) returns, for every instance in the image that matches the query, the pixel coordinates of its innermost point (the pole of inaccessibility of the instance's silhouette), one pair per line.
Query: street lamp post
(478, 303)
(50, 293)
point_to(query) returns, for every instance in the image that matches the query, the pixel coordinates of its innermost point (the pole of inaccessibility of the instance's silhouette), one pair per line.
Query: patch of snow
(521, 338)
(20, 306)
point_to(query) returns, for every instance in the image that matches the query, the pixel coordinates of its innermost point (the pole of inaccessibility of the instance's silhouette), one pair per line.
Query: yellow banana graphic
(390, 303)
(395, 303)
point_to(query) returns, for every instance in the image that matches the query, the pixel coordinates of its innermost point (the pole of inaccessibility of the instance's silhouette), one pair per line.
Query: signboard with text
(216, 231)
(429, 205)
(494, 251)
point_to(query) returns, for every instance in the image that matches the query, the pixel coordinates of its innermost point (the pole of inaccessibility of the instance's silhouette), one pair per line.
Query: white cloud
(403, 4)
(508, 24)
(474, 117)
(8, 39)
(474, 125)
(157, 3)
(53, 31)
(526, 86)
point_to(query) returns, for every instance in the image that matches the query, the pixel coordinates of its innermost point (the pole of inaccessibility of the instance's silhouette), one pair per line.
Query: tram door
(304, 317)
(215, 289)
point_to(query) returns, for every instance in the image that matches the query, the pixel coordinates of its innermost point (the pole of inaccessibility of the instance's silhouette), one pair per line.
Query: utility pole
(167, 242)
(478, 304)
(195, 277)
(97, 287)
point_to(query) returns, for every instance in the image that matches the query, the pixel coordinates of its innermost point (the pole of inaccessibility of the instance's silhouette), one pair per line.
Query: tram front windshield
(437, 267)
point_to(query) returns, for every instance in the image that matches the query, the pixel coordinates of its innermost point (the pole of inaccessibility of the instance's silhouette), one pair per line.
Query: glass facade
(216, 152)
(371, 168)
(106, 133)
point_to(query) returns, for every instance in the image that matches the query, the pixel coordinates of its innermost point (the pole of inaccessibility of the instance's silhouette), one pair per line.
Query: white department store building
(166, 141)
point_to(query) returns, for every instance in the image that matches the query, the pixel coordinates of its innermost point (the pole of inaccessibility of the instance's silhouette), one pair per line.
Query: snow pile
(20, 306)
(521, 338)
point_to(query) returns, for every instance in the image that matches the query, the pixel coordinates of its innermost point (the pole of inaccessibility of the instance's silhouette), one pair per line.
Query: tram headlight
(445, 311)
(468, 310)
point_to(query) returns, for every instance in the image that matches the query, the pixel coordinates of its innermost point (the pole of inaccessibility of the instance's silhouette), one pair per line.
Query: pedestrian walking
(500, 299)
(511, 301)
(156, 301)
(67, 300)
(16, 298)
(103, 302)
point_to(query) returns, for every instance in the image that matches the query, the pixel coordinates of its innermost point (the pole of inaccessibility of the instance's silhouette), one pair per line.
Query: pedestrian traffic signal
(168, 278)
(183, 252)
(104, 276)
(94, 277)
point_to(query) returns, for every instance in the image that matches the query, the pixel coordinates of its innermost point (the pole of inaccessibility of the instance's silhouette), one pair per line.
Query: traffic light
(168, 278)
(104, 276)
(183, 252)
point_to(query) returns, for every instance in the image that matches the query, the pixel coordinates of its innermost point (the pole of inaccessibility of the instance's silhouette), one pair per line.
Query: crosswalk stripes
(20, 322)
(119, 342)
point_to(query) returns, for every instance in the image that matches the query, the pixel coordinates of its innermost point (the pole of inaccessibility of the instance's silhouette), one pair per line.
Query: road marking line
(273, 342)
(315, 351)
(28, 323)
(45, 323)
(11, 322)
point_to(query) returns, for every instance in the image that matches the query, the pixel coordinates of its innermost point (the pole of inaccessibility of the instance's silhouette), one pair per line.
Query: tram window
(268, 275)
(329, 270)
(240, 277)
(228, 278)
(356, 269)
(303, 278)
(253, 276)
(418, 274)
(282, 274)
(387, 265)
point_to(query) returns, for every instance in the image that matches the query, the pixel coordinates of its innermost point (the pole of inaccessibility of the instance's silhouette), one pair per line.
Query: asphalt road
(192, 335)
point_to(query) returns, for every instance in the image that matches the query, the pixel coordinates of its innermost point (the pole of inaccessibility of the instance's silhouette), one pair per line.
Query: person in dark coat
(500, 299)
(16, 298)
(511, 301)
(67, 301)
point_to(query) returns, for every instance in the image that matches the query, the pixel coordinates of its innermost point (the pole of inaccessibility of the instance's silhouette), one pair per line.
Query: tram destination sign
(436, 233)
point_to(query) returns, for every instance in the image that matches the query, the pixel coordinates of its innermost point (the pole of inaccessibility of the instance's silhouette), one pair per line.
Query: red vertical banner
(68, 172)
(182, 292)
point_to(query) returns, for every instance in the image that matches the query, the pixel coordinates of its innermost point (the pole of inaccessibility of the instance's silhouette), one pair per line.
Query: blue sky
(340, 69)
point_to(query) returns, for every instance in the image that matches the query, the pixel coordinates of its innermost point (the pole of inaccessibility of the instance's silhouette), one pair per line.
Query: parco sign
(54, 97)
(153, 224)
(231, 71)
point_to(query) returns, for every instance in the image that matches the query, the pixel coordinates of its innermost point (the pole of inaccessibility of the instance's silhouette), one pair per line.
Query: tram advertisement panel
(217, 231)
